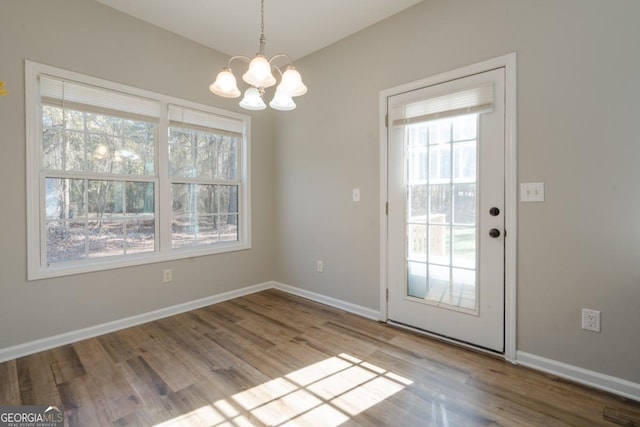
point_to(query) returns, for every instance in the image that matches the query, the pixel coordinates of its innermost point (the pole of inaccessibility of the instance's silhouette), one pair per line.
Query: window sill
(110, 263)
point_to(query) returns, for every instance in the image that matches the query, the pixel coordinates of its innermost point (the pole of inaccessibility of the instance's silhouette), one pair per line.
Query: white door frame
(511, 178)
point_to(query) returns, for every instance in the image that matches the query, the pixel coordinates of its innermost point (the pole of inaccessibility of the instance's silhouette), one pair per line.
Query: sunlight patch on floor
(327, 393)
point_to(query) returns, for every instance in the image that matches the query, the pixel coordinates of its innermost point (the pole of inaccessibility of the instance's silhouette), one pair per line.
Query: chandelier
(259, 76)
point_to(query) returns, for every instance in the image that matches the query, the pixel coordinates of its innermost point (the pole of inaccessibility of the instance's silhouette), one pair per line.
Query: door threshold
(447, 339)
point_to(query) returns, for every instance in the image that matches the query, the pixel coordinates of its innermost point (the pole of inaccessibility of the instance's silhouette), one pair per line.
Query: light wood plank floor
(275, 359)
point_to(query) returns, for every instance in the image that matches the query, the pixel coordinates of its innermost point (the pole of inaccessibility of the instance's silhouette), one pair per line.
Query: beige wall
(86, 37)
(578, 85)
(578, 71)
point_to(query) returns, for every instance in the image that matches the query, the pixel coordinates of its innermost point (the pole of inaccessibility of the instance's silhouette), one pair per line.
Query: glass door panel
(441, 166)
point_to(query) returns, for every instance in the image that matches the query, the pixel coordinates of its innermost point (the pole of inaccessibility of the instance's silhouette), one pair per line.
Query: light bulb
(252, 100)
(259, 73)
(282, 101)
(292, 82)
(225, 84)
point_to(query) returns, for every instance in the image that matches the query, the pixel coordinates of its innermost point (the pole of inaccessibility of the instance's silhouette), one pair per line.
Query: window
(118, 176)
(204, 180)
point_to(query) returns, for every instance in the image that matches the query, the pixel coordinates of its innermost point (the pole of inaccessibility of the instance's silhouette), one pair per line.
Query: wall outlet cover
(532, 192)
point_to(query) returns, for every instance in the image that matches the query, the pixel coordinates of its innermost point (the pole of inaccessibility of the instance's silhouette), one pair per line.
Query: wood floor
(275, 359)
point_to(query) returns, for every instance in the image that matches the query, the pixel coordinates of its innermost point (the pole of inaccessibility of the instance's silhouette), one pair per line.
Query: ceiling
(295, 27)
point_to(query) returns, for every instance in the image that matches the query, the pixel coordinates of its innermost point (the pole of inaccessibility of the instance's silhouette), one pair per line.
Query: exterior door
(446, 190)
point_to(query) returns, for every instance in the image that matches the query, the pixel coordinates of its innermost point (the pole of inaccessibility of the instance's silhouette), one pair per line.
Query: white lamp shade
(292, 82)
(282, 101)
(259, 73)
(252, 100)
(225, 85)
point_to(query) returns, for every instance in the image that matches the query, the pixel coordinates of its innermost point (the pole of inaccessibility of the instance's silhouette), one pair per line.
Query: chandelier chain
(263, 40)
(262, 17)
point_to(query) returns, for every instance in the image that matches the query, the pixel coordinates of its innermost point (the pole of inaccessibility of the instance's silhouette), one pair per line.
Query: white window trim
(37, 270)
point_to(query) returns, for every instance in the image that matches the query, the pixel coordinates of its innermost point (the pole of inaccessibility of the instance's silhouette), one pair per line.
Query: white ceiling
(295, 27)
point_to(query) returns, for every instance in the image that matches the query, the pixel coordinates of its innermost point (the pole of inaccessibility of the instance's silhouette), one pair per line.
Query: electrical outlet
(319, 266)
(167, 276)
(591, 320)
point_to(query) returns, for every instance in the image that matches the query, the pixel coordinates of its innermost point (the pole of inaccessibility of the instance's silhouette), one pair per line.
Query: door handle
(494, 232)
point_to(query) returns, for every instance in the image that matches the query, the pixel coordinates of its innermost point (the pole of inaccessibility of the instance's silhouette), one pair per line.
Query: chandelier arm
(277, 68)
(241, 57)
(281, 55)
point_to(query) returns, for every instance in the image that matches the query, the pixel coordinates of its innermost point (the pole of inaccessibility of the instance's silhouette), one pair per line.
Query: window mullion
(42, 221)
(48, 173)
(204, 181)
(123, 200)
(163, 185)
(85, 202)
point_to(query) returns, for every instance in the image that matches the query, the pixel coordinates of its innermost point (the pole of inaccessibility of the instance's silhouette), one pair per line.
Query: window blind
(203, 121)
(83, 97)
(475, 100)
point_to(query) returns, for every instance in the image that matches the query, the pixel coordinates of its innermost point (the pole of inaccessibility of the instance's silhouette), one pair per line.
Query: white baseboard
(330, 301)
(593, 379)
(36, 346)
(48, 343)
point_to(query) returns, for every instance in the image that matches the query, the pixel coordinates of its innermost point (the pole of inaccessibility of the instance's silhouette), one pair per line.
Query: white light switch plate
(532, 192)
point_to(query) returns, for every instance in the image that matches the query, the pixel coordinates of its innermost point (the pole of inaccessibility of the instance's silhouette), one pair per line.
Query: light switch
(356, 194)
(532, 192)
